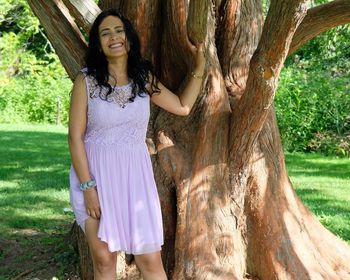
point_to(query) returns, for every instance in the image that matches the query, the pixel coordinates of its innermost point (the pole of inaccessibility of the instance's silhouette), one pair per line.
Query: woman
(113, 193)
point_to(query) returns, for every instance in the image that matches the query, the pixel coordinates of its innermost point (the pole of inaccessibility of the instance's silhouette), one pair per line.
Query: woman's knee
(149, 262)
(104, 261)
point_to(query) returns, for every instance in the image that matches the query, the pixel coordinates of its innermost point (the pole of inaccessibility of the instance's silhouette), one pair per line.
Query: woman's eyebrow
(108, 28)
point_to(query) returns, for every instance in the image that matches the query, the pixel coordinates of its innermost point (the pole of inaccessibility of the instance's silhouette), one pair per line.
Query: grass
(34, 166)
(323, 184)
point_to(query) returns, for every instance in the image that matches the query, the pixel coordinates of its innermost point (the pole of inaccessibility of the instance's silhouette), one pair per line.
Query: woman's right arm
(76, 132)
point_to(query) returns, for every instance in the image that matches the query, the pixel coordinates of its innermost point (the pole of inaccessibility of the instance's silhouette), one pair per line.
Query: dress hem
(121, 249)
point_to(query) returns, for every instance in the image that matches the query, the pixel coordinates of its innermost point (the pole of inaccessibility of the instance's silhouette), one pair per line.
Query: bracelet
(87, 185)
(196, 76)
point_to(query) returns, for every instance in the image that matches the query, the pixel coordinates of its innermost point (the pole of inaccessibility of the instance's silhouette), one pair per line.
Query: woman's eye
(105, 34)
(120, 30)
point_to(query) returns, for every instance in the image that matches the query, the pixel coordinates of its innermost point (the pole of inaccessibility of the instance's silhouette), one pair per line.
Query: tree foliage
(313, 100)
(30, 71)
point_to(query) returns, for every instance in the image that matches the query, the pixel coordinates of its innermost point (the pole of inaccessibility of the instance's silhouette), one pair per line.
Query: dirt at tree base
(28, 255)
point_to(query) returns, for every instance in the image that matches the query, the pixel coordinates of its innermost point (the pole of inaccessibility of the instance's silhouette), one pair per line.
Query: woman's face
(112, 37)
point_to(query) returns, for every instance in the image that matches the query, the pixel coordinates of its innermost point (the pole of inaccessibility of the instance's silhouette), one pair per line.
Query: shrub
(313, 106)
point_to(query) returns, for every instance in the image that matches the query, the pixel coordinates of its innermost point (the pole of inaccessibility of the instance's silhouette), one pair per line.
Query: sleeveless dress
(119, 161)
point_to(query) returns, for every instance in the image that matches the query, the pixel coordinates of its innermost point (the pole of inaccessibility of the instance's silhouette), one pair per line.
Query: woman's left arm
(181, 105)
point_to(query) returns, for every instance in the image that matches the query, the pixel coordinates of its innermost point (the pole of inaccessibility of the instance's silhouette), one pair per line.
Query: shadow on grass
(33, 175)
(310, 165)
(328, 204)
(335, 215)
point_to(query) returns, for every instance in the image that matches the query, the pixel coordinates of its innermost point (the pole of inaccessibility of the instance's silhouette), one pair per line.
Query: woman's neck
(118, 71)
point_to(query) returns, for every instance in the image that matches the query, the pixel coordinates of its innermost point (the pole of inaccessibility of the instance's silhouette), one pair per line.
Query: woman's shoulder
(85, 71)
(85, 74)
(84, 78)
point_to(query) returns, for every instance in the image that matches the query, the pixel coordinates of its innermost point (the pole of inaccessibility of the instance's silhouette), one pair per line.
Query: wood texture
(108, 4)
(281, 22)
(84, 12)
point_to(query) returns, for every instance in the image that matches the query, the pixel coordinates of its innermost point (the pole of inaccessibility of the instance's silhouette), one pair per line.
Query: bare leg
(151, 266)
(104, 261)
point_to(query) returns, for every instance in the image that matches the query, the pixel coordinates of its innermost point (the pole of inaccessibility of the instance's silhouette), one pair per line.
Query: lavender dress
(119, 161)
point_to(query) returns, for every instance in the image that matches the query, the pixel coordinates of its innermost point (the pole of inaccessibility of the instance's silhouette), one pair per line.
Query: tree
(229, 209)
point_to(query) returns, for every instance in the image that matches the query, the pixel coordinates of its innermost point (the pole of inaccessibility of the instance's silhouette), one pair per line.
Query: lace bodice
(115, 121)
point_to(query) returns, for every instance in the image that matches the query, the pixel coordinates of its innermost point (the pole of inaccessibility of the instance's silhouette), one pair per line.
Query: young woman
(113, 192)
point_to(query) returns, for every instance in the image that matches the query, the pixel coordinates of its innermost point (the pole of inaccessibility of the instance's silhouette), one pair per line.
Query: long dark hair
(138, 67)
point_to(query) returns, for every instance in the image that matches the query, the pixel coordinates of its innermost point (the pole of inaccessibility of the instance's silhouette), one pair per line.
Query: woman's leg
(151, 266)
(104, 261)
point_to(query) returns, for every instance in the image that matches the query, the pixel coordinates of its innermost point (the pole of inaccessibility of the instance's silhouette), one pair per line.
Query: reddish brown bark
(228, 206)
(285, 240)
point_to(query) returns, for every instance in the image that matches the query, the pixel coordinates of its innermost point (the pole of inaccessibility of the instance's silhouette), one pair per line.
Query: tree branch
(197, 25)
(62, 32)
(108, 4)
(238, 31)
(248, 119)
(320, 19)
(84, 11)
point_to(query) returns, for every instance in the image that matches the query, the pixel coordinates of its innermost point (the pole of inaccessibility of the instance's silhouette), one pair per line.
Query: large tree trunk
(229, 209)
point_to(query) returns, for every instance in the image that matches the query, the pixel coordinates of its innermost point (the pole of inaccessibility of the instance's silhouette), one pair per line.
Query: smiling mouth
(116, 45)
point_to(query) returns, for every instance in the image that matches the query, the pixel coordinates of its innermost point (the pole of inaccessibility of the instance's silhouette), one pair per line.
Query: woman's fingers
(94, 213)
(198, 55)
(92, 203)
(97, 213)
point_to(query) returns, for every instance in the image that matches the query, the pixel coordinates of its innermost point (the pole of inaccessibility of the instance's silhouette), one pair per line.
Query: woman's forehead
(110, 22)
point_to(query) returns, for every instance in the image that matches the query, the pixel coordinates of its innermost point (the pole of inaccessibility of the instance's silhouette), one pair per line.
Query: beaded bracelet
(87, 185)
(196, 76)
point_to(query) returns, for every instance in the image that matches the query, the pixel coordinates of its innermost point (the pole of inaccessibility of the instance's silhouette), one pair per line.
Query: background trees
(312, 102)
(32, 78)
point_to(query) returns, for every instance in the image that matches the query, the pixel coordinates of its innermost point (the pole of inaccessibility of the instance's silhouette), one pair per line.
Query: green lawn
(34, 163)
(34, 166)
(323, 183)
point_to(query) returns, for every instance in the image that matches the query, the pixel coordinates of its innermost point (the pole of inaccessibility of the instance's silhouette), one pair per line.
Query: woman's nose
(115, 34)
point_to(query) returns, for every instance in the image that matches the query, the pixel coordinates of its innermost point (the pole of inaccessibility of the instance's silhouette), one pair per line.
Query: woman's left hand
(198, 58)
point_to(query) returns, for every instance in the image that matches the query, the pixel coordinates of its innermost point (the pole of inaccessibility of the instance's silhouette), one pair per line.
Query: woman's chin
(115, 54)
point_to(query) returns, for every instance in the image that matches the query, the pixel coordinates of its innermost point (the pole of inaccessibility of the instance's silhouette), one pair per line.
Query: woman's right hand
(92, 203)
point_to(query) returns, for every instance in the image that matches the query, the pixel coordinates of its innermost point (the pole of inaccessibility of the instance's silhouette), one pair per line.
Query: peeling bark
(229, 209)
(84, 12)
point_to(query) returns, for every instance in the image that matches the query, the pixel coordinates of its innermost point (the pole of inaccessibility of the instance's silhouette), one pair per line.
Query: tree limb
(197, 25)
(252, 109)
(320, 19)
(84, 11)
(108, 4)
(238, 31)
(62, 32)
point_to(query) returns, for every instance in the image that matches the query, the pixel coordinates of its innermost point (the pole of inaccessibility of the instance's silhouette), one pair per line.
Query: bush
(313, 106)
(34, 99)
(329, 143)
(31, 75)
